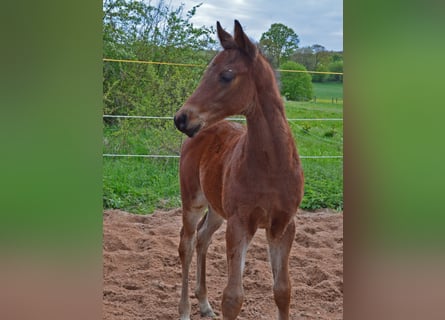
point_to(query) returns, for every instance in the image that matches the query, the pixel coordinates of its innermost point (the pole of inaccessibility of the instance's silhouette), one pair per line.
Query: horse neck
(269, 141)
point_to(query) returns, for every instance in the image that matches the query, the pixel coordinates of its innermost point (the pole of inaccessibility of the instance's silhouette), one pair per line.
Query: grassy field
(142, 185)
(328, 90)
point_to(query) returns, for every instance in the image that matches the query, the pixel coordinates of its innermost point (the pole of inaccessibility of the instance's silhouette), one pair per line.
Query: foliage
(295, 86)
(316, 58)
(317, 48)
(305, 128)
(306, 57)
(322, 184)
(136, 30)
(278, 43)
(320, 77)
(336, 66)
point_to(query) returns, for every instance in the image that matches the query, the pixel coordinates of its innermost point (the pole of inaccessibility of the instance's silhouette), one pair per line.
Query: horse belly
(262, 197)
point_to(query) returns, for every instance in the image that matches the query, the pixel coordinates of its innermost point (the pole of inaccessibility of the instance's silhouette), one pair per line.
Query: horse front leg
(190, 219)
(206, 229)
(279, 250)
(238, 238)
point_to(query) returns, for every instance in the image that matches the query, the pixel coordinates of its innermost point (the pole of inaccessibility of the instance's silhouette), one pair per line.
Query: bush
(320, 77)
(295, 86)
(336, 66)
(136, 30)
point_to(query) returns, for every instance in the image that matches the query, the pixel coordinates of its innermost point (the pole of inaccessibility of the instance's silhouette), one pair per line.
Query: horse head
(227, 86)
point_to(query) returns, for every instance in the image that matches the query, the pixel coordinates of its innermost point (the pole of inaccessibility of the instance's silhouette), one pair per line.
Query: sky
(314, 21)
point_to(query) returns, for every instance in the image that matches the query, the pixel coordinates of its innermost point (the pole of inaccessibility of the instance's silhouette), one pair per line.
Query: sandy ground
(142, 270)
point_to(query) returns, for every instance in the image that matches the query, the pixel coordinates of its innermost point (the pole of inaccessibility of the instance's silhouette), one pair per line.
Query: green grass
(323, 177)
(327, 90)
(142, 185)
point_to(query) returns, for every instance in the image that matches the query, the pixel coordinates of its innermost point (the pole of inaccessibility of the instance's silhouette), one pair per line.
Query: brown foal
(251, 176)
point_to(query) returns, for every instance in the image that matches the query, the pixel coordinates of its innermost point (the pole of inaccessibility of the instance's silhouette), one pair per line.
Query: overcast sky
(314, 21)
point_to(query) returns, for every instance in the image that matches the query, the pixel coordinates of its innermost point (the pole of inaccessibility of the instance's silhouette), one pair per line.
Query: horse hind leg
(192, 213)
(207, 227)
(280, 245)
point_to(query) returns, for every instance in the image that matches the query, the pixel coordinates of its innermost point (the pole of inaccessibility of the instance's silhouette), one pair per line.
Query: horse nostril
(180, 121)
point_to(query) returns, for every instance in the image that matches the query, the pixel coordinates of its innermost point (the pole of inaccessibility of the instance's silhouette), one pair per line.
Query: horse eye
(227, 76)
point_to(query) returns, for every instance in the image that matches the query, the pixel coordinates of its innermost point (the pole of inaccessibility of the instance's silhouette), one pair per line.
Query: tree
(306, 57)
(318, 48)
(320, 77)
(336, 66)
(279, 42)
(295, 85)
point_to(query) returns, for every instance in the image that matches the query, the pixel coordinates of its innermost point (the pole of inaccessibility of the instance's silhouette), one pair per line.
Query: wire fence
(176, 156)
(230, 119)
(160, 156)
(203, 66)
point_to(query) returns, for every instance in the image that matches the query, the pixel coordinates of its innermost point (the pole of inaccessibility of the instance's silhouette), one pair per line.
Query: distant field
(142, 185)
(328, 90)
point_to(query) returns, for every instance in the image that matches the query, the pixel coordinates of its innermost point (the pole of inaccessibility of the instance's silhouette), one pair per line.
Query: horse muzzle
(183, 124)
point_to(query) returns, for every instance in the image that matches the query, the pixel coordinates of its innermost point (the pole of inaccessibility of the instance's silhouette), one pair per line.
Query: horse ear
(225, 38)
(243, 41)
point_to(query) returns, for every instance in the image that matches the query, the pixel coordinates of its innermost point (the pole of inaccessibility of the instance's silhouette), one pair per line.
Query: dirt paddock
(142, 270)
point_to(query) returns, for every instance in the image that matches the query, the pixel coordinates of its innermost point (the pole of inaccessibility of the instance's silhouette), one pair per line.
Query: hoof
(209, 313)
